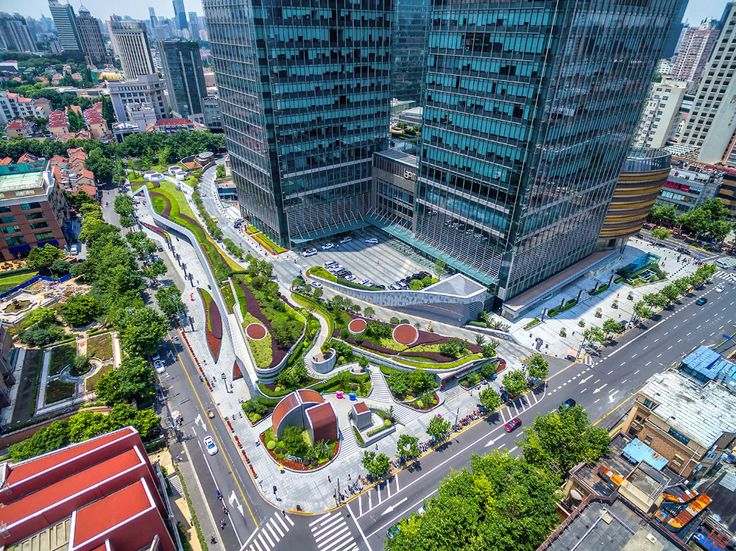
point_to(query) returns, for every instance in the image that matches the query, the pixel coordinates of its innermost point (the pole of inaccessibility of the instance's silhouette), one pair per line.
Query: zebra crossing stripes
(269, 533)
(332, 533)
(726, 276)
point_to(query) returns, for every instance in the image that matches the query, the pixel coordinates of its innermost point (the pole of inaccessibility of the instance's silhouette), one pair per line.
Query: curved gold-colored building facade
(642, 176)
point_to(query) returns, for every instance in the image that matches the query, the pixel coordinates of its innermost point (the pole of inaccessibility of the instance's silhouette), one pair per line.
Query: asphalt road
(604, 389)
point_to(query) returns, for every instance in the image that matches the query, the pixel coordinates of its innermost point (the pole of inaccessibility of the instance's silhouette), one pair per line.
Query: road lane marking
(648, 363)
(360, 530)
(659, 355)
(637, 371)
(583, 390)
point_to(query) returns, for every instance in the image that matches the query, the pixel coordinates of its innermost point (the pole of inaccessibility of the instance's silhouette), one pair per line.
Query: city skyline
(138, 9)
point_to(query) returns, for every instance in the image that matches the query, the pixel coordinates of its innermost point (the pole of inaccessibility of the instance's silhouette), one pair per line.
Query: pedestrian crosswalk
(269, 533)
(726, 276)
(332, 533)
(587, 360)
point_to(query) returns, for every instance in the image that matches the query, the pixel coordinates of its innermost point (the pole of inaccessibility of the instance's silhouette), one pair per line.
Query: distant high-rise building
(146, 89)
(180, 15)
(66, 26)
(130, 42)
(660, 114)
(182, 68)
(304, 109)
(712, 121)
(15, 36)
(528, 118)
(152, 17)
(673, 38)
(408, 49)
(89, 32)
(695, 48)
(194, 25)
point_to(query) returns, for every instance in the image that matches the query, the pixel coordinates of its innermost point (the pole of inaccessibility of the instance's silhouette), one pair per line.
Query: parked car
(347, 239)
(701, 301)
(567, 404)
(371, 241)
(331, 263)
(159, 366)
(316, 284)
(512, 425)
(723, 264)
(210, 445)
(74, 249)
(309, 252)
(328, 246)
(350, 277)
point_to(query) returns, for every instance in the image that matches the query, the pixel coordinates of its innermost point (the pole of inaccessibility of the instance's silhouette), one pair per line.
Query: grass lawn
(13, 280)
(61, 356)
(25, 400)
(100, 347)
(59, 390)
(91, 382)
(182, 214)
(227, 296)
(262, 349)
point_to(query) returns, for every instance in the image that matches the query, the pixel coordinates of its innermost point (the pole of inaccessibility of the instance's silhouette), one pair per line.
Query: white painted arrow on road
(200, 421)
(389, 509)
(492, 441)
(611, 396)
(597, 390)
(234, 499)
(581, 381)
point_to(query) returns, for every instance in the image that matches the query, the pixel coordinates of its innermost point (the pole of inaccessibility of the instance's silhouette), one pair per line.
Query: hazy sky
(697, 9)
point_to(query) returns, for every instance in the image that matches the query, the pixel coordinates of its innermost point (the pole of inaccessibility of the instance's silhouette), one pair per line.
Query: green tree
(169, 301)
(594, 335)
(655, 300)
(538, 367)
(154, 269)
(76, 123)
(440, 267)
(53, 437)
(642, 311)
(80, 310)
(416, 285)
(611, 327)
(480, 340)
(100, 164)
(498, 503)
(60, 268)
(438, 428)
(140, 243)
(670, 292)
(42, 258)
(562, 439)
(294, 442)
(124, 205)
(141, 330)
(377, 464)
(489, 349)
(490, 399)
(407, 447)
(420, 381)
(515, 383)
(369, 312)
(133, 380)
(660, 233)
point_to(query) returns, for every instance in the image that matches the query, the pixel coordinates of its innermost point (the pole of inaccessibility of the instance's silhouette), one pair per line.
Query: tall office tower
(528, 117)
(92, 43)
(180, 15)
(695, 48)
(409, 49)
(194, 25)
(66, 26)
(15, 36)
(305, 96)
(712, 122)
(661, 113)
(152, 17)
(130, 41)
(182, 68)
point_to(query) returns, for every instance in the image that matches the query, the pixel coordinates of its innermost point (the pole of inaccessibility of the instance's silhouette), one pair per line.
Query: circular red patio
(255, 331)
(406, 334)
(357, 326)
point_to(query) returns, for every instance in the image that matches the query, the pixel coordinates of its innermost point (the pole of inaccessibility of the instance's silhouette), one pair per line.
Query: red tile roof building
(102, 493)
(19, 128)
(172, 125)
(58, 124)
(71, 173)
(306, 409)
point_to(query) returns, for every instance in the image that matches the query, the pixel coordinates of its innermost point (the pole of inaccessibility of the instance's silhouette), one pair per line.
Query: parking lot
(383, 263)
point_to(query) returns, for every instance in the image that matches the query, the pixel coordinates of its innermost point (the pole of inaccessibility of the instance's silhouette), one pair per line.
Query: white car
(156, 358)
(210, 445)
(328, 246)
(347, 239)
(160, 368)
(309, 252)
(350, 277)
(316, 284)
(719, 289)
(371, 241)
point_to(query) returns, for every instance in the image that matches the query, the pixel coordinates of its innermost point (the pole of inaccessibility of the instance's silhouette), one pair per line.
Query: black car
(701, 301)
(567, 404)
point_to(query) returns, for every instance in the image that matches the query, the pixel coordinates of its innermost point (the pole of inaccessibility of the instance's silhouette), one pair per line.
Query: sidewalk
(553, 343)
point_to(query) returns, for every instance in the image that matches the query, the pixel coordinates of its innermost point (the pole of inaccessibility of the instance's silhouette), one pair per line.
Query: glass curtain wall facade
(182, 67)
(529, 111)
(409, 48)
(305, 92)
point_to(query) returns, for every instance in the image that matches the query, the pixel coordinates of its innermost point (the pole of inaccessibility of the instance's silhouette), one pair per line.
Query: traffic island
(214, 324)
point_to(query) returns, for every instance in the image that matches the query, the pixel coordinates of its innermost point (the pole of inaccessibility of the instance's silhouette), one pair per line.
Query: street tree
(377, 464)
(655, 300)
(661, 214)
(169, 300)
(141, 330)
(100, 164)
(80, 310)
(60, 268)
(594, 334)
(489, 349)
(538, 367)
(438, 428)
(562, 439)
(660, 233)
(154, 269)
(124, 205)
(515, 382)
(42, 258)
(670, 292)
(490, 399)
(611, 327)
(369, 312)
(642, 311)
(140, 243)
(407, 447)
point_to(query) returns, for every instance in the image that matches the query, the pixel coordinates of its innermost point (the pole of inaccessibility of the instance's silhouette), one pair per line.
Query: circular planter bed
(405, 334)
(296, 466)
(256, 331)
(357, 326)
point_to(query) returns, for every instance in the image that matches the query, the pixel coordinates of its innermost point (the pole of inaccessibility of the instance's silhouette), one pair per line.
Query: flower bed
(267, 435)
(419, 404)
(267, 244)
(214, 324)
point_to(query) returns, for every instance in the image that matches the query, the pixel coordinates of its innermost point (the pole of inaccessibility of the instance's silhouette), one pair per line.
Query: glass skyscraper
(409, 48)
(305, 90)
(182, 68)
(529, 110)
